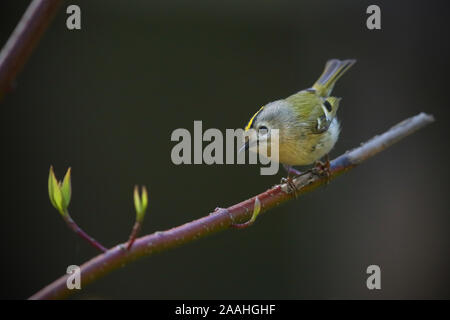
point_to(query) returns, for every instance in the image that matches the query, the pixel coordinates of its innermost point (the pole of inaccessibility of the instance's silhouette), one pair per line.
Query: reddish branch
(134, 234)
(222, 219)
(75, 228)
(24, 38)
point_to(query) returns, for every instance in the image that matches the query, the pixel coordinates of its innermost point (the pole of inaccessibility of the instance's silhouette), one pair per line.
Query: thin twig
(134, 234)
(75, 228)
(222, 219)
(24, 38)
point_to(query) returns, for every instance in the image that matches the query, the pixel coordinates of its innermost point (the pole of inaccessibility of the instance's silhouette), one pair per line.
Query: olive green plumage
(307, 122)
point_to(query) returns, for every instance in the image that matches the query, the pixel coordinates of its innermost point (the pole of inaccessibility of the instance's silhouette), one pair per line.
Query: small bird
(307, 122)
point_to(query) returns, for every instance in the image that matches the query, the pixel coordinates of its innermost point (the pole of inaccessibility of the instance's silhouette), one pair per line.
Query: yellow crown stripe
(249, 124)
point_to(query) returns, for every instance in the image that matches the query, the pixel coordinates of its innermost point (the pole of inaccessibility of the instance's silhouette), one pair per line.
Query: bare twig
(24, 38)
(140, 204)
(60, 193)
(222, 219)
(134, 234)
(75, 228)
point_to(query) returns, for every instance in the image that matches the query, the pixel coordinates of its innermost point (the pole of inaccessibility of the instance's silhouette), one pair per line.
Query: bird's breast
(304, 149)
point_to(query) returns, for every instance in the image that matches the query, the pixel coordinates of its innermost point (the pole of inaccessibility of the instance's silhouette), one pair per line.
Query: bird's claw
(322, 169)
(290, 184)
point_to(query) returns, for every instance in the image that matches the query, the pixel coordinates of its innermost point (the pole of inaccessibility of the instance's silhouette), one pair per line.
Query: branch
(222, 219)
(60, 193)
(24, 38)
(75, 228)
(140, 204)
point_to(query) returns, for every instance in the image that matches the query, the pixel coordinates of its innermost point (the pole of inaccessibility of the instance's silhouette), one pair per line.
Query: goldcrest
(306, 121)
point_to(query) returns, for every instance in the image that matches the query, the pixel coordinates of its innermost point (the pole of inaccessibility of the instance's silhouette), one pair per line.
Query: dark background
(105, 100)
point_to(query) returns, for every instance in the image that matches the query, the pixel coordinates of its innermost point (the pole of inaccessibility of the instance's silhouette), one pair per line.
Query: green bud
(59, 193)
(66, 188)
(140, 203)
(144, 198)
(137, 200)
(54, 192)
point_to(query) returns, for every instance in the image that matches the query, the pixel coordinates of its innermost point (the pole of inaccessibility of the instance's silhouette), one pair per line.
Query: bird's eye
(263, 128)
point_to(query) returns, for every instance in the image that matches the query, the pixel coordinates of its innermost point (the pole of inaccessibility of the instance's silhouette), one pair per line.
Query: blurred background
(105, 100)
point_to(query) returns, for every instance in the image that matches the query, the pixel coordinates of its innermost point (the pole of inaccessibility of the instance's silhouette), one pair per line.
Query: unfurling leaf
(59, 193)
(137, 200)
(140, 203)
(144, 198)
(66, 188)
(256, 210)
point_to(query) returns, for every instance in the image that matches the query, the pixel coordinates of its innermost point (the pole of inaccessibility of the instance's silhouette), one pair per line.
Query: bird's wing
(312, 110)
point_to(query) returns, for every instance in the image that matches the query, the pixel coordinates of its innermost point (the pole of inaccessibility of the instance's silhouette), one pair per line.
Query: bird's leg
(289, 180)
(291, 171)
(322, 169)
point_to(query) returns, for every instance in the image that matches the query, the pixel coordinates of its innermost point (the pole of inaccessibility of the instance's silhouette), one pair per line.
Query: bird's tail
(334, 69)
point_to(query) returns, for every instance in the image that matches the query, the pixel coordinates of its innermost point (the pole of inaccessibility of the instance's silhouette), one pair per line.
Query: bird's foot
(291, 188)
(322, 169)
